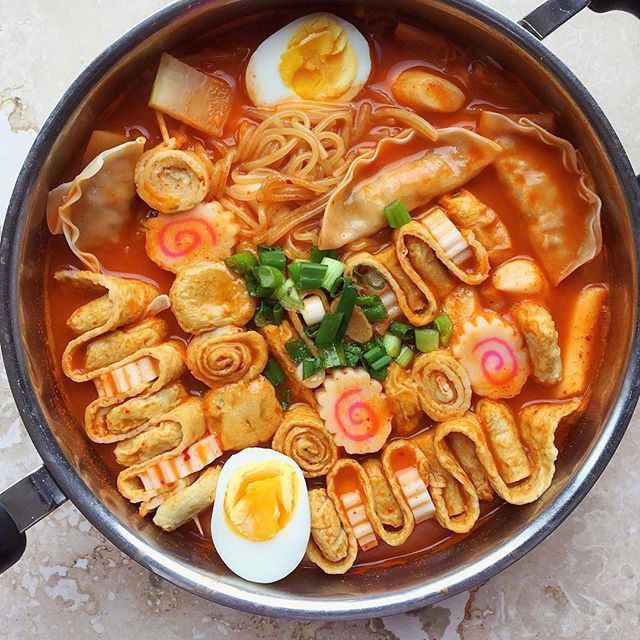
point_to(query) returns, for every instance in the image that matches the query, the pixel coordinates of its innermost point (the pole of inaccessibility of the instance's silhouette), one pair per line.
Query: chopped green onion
(293, 269)
(273, 372)
(396, 214)
(269, 277)
(297, 350)
(371, 277)
(254, 288)
(241, 263)
(264, 314)
(311, 331)
(329, 328)
(272, 256)
(335, 269)
(288, 296)
(346, 304)
(333, 356)
(374, 353)
(405, 356)
(400, 329)
(352, 354)
(392, 344)
(427, 339)
(310, 276)
(278, 313)
(379, 374)
(284, 396)
(373, 307)
(310, 366)
(381, 363)
(317, 255)
(445, 328)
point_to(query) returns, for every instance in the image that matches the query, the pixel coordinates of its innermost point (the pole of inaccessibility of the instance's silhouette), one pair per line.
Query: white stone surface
(581, 583)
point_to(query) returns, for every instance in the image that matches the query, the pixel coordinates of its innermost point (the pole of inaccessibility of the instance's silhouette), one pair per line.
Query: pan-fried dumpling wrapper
(402, 395)
(170, 179)
(387, 506)
(356, 208)
(97, 206)
(470, 213)
(454, 497)
(122, 301)
(441, 384)
(117, 345)
(207, 295)
(457, 249)
(420, 263)
(348, 477)
(414, 298)
(518, 462)
(207, 232)
(113, 423)
(243, 414)
(303, 437)
(187, 419)
(544, 176)
(539, 331)
(332, 545)
(276, 338)
(182, 506)
(225, 355)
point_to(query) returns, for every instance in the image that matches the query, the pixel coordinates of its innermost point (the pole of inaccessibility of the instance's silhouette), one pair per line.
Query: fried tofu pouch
(167, 436)
(243, 414)
(207, 295)
(303, 437)
(226, 355)
(122, 301)
(180, 507)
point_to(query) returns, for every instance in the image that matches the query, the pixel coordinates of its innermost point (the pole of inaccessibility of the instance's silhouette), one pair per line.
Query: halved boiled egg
(318, 57)
(260, 523)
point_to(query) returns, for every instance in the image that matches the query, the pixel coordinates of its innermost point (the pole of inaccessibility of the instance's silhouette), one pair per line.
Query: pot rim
(181, 574)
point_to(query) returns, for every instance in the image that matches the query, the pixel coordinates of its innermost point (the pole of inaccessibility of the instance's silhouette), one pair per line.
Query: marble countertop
(582, 582)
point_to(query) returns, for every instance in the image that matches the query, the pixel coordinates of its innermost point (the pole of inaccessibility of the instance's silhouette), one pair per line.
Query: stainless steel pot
(72, 469)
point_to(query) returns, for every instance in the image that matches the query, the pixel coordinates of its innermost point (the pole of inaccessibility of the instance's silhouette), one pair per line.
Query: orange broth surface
(225, 55)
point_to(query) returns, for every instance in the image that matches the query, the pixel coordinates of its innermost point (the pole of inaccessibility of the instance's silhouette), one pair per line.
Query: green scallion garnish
(328, 328)
(400, 329)
(297, 350)
(273, 372)
(310, 276)
(373, 307)
(264, 314)
(374, 353)
(333, 356)
(392, 344)
(405, 356)
(445, 328)
(346, 304)
(396, 214)
(317, 255)
(278, 313)
(269, 277)
(310, 366)
(241, 263)
(288, 297)
(352, 354)
(254, 288)
(335, 269)
(427, 339)
(272, 256)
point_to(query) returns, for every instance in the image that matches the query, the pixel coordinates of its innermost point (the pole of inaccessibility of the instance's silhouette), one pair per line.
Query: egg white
(271, 560)
(265, 85)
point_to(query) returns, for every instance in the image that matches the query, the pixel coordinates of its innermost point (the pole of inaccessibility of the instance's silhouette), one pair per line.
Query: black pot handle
(554, 13)
(22, 505)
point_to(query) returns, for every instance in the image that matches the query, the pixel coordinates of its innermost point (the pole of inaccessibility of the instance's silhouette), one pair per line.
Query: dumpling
(356, 208)
(544, 177)
(97, 206)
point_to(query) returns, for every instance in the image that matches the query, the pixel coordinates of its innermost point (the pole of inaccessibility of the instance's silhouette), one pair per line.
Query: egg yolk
(260, 499)
(319, 63)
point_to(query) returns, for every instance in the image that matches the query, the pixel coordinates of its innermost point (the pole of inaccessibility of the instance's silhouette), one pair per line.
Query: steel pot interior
(308, 593)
